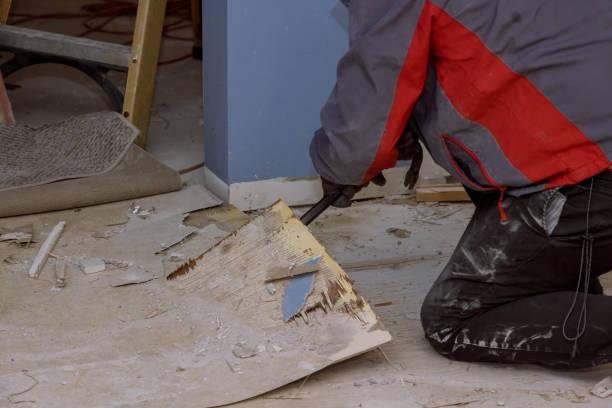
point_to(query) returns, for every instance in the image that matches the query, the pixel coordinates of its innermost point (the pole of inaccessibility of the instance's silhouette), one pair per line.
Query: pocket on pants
(545, 209)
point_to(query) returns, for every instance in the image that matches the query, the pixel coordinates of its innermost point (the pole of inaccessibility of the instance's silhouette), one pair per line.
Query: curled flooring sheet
(138, 175)
(252, 350)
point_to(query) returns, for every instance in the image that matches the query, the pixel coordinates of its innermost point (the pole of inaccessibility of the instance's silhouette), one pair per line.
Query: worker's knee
(439, 331)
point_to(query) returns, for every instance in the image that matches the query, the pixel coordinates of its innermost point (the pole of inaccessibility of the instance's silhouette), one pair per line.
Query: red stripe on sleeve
(534, 135)
(407, 90)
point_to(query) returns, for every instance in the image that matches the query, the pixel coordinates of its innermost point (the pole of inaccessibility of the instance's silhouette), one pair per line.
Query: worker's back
(509, 94)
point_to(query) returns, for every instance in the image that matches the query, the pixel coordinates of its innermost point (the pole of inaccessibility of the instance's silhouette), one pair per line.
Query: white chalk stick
(41, 258)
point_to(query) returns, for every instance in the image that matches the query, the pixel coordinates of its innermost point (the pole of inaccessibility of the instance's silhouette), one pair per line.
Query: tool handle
(319, 207)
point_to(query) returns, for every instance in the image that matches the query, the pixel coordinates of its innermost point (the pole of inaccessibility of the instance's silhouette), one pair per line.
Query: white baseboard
(254, 195)
(215, 185)
(260, 194)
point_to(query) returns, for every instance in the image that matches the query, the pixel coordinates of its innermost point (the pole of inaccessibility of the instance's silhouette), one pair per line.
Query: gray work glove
(348, 191)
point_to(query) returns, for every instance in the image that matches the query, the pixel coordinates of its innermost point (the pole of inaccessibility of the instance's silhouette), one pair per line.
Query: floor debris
(11, 260)
(176, 257)
(155, 313)
(603, 389)
(141, 212)
(117, 223)
(102, 235)
(242, 351)
(41, 258)
(92, 265)
(130, 276)
(20, 235)
(573, 397)
(60, 273)
(116, 263)
(399, 232)
(271, 288)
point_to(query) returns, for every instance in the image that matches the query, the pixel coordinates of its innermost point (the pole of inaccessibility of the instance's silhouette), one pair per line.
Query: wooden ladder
(96, 57)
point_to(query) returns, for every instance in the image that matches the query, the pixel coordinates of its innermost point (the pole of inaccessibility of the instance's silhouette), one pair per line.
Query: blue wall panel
(280, 68)
(214, 30)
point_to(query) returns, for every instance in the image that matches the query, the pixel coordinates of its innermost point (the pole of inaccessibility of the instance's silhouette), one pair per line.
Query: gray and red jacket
(509, 95)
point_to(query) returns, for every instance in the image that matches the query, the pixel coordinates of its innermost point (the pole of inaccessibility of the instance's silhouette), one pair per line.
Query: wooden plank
(108, 54)
(5, 6)
(441, 192)
(143, 65)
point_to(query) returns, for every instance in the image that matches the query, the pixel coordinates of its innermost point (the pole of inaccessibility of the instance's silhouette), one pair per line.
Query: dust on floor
(392, 272)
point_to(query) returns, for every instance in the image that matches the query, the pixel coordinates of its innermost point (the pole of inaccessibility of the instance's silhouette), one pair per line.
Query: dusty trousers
(513, 291)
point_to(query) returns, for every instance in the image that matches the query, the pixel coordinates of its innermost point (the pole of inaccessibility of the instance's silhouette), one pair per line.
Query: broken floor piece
(60, 272)
(92, 265)
(41, 258)
(603, 389)
(141, 239)
(233, 272)
(297, 291)
(20, 235)
(130, 276)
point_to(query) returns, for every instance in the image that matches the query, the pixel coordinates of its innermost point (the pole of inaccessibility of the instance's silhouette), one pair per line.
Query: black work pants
(508, 287)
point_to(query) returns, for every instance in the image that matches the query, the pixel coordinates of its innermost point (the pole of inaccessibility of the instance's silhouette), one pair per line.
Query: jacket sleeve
(378, 83)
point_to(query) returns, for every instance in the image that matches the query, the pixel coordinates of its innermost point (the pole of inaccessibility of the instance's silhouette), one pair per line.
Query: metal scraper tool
(319, 207)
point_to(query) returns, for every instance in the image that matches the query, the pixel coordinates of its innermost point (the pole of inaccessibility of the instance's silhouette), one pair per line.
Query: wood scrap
(390, 262)
(60, 272)
(130, 276)
(21, 235)
(282, 272)
(43, 254)
(441, 192)
(101, 234)
(11, 260)
(106, 53)
(155, 313)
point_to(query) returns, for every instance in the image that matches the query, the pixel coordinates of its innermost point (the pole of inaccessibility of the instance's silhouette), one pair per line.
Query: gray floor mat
(81, 146)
